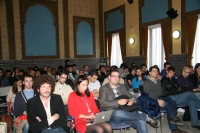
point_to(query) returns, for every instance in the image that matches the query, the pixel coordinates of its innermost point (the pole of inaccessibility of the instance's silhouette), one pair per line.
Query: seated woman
(138, 80)
(17, 87)
(82, 107)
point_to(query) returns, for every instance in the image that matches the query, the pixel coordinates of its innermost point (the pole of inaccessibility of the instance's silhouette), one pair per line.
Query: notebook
(102, 117)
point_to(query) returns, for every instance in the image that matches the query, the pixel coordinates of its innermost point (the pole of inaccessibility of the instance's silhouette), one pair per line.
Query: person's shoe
(178, 131)
(176, 120)
(153, 122)
(197, 127)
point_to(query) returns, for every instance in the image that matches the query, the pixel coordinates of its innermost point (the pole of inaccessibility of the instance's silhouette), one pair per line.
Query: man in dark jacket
(46, 110)
(22, 97)
(181, 95)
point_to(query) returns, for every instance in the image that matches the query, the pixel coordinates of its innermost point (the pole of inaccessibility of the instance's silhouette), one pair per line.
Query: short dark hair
(67, 60)
(125, 67)
(113, 68)
(151, 68)
(101, 66)
(94, 73)
(171, 69)
(78, 82)
(132, 68)
(8, 71)
(28, 76)
(21, 70)
(166, 63)
(69, 66)
(38, 81)
(62, 72)
(143, 65)
(85, 66)
(110, 73)
(74, 65)
(1, 69)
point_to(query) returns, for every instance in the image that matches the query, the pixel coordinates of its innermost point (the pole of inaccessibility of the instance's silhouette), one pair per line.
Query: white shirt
(95, 85)
(48, 111)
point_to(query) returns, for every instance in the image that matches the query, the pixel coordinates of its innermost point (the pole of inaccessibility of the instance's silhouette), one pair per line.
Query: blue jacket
(20, 104)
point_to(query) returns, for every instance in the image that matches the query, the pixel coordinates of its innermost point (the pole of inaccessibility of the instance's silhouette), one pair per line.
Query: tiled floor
(165, 128)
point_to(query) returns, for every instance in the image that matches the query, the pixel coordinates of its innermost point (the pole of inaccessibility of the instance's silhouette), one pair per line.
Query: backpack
(148, 105)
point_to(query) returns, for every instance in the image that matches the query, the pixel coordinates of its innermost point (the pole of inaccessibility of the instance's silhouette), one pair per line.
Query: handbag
(133, 107)
(148, 105)
(3, 127)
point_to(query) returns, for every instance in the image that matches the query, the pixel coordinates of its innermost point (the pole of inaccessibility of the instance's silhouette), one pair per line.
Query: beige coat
(63, 92)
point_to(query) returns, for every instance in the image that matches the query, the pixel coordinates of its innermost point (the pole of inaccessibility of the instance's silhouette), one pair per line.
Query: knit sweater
(154, 90)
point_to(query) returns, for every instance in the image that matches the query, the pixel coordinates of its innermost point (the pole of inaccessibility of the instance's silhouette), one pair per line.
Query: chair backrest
(4, 90)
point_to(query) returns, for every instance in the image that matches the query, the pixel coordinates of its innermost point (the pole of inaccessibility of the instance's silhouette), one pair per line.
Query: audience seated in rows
(169, 83)
(112, 90)
(152, 86)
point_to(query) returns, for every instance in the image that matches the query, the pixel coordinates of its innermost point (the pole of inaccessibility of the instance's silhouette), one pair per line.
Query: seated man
(94, 86)
(184, 81)
(152, 86)
(22, 97)
(112, 90)
(106, 80)
(62, 89)
(188, 98)
(45, 111)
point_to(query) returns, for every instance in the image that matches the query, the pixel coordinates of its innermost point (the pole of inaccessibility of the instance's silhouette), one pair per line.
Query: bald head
(186, 71)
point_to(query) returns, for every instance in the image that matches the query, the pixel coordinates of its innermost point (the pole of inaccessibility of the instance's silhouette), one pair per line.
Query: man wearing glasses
(62, 89)
(184, 80)
(108, 94)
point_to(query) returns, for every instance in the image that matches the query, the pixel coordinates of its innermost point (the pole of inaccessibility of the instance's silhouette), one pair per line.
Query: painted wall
(131, 22)
(154, 10)
(114, 21)
(40, 33)
(192, 5)
(176, 25)
(84, 39)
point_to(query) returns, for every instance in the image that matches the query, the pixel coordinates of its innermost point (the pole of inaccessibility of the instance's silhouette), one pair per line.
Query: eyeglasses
(115, 76)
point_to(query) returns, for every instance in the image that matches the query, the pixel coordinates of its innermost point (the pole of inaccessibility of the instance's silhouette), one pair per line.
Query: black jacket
(171, 86)
(36, 108)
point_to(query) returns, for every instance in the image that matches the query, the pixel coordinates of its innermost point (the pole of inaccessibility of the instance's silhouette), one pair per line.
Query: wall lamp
(132, 40)
(176, 34)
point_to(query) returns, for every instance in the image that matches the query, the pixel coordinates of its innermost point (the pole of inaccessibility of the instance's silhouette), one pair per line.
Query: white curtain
(155, 52)
(116, 55)
(196, 53)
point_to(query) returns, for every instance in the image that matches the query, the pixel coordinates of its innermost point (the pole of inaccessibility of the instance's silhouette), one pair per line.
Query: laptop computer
(101, 117)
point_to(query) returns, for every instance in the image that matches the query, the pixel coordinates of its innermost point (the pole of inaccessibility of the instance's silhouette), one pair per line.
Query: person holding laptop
(82, 107)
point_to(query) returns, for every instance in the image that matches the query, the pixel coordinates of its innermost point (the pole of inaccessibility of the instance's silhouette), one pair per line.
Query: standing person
(16, 88)
(108, 94)
(22, 97)
(152, 86)
(62, 89)
(46, 110)
(94, 86)
(82, 107)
